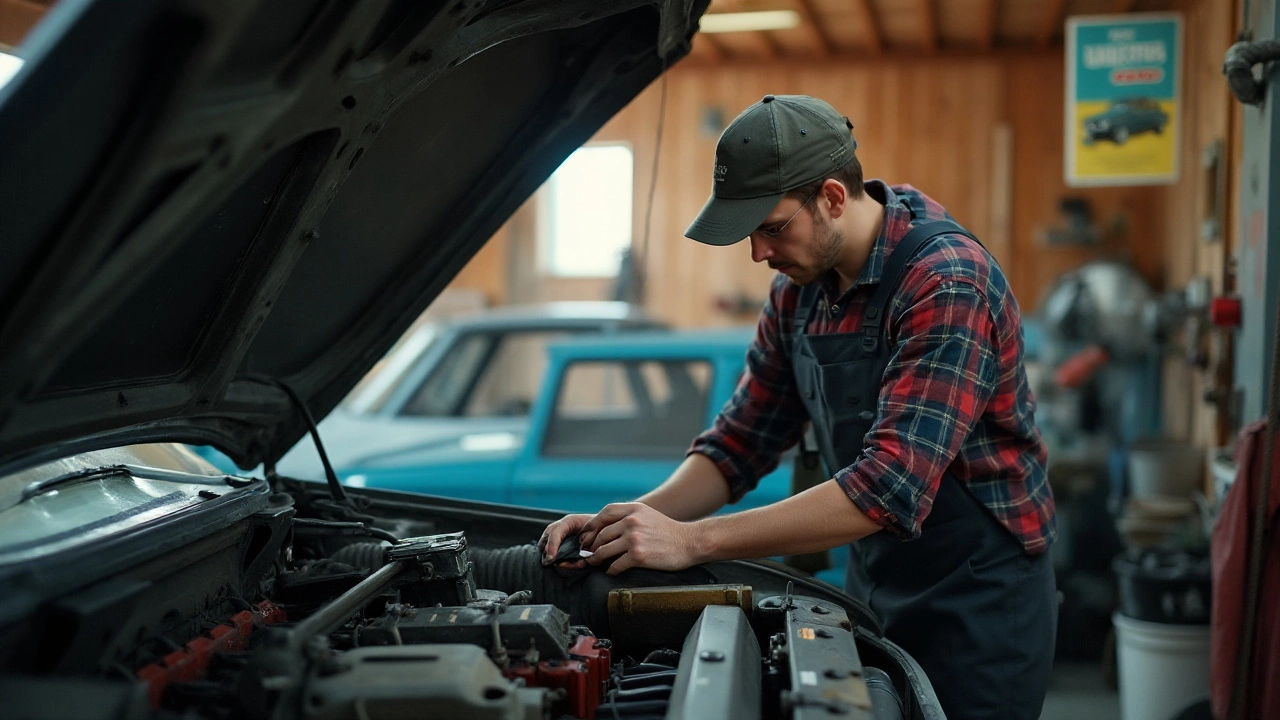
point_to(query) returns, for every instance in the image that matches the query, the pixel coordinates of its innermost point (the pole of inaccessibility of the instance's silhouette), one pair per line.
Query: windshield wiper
(39, 487)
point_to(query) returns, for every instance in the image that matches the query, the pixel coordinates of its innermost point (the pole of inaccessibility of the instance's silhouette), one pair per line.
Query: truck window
(485, 375)
(628, 409)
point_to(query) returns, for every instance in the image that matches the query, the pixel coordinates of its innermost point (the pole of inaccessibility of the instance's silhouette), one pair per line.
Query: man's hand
(556, 532)
(639, 536)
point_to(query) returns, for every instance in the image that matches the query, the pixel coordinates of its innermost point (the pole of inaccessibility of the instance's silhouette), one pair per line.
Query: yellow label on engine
(806, 633)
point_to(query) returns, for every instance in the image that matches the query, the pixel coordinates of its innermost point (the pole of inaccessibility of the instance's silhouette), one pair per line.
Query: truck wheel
(1120, 135)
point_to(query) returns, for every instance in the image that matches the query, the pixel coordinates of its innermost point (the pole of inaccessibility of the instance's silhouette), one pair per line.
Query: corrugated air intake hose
(584, 594)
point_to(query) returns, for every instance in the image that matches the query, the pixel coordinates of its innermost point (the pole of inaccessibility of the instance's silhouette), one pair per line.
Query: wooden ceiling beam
(1050, 22)
(929, 25)
(867, 19)
(905, 57)
(1123, 6)
(769, 45)
(822, 46)
(988, 18)
(715, 48)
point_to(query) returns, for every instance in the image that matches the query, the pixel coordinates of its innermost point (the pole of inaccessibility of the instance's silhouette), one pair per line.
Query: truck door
(616, 429)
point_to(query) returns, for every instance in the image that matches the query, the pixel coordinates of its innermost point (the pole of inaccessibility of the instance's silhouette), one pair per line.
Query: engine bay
(312, 609)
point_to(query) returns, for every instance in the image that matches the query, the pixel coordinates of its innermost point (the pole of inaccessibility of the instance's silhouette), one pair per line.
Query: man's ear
(837, 197)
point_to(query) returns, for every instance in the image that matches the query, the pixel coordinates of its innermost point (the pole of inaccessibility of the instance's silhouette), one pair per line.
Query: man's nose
(760, 250)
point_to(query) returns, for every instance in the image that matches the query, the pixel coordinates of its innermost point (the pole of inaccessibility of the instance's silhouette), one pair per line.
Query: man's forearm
(695, 490)
(817, 519)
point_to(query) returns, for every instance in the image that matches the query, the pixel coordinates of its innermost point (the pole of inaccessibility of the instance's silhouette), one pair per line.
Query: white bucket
(1163, 668)
(1161, 467)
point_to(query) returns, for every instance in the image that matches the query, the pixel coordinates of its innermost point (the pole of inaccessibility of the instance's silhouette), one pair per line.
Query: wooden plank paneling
(17, 17)
(983, 137)
(1035, 110)
(932, 124)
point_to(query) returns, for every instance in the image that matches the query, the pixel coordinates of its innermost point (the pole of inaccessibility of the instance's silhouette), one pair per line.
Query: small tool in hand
(570, 551)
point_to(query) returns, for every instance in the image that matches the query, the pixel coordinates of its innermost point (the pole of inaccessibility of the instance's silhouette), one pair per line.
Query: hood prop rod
(336, 491)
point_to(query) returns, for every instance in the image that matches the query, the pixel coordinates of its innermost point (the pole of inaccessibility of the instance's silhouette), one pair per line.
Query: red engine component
(192, 661)
(583, 676)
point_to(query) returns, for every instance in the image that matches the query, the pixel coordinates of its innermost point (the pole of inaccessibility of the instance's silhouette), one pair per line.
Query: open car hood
(201, 199)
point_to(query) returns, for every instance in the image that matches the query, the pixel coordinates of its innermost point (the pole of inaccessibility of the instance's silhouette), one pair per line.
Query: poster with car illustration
(1122, 105)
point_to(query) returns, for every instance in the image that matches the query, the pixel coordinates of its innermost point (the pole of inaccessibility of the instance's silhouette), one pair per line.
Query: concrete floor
(1078, 690)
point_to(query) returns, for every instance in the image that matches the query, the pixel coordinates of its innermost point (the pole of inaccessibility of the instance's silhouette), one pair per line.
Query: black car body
(217, 217)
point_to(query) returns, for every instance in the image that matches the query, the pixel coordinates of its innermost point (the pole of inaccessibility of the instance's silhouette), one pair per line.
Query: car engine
(303, 612)
(418, 638)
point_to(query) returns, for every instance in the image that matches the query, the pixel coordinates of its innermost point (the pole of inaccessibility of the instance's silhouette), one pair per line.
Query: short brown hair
(850, 176)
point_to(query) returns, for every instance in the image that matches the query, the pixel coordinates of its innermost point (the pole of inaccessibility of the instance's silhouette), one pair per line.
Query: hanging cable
(639, 268)
(335, 488)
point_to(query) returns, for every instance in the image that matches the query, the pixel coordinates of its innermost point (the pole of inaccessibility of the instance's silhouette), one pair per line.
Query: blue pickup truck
(613, 417)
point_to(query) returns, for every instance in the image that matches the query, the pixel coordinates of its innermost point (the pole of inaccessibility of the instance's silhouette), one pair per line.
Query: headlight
(1103, 124)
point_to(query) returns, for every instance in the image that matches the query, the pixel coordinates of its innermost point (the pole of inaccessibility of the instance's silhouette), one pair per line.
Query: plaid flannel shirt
(954, 396)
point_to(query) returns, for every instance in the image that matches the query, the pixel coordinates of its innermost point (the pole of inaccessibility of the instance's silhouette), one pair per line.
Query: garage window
(586, 213)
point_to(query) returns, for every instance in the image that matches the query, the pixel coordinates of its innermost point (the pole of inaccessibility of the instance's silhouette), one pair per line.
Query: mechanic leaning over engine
(894, 333)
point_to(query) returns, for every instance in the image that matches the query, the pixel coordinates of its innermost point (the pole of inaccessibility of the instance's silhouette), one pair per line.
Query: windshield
(85, 497)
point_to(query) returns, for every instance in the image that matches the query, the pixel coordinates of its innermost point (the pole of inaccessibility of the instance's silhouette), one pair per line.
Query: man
(895, 334)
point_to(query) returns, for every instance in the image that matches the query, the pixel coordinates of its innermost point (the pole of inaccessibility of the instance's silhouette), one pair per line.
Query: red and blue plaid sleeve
(764, 416)
(939, 380)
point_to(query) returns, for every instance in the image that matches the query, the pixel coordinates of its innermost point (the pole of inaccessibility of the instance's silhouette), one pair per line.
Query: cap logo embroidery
(720, 172)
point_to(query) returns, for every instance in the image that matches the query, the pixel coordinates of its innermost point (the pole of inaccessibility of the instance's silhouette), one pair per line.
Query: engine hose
(1238, 67)
(664, 656)
(362, 555)
(584, 594)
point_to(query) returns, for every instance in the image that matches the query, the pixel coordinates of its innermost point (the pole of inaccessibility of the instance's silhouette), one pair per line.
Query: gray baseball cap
(778, 144)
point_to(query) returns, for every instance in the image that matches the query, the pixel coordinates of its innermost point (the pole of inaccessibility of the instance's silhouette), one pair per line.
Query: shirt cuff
(855, 483)
(738, 484)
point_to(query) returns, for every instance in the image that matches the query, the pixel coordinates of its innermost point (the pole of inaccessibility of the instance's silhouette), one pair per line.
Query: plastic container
(1164, 587)
(1163, 467)
(1163, 668)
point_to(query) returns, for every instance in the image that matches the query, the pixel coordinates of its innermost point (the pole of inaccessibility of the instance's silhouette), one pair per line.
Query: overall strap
(804, 308)
(907, 248)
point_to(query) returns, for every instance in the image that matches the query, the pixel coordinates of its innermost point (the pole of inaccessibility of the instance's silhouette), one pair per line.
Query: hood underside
(201, 199)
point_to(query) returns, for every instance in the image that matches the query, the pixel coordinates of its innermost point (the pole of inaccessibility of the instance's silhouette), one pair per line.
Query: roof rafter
(929, 25)
(989, 17)
(1050, 22)
(867, 18)
(809, 20)
(769, 44)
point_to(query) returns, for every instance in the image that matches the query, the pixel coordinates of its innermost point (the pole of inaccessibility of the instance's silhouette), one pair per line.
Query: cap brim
(725, 221)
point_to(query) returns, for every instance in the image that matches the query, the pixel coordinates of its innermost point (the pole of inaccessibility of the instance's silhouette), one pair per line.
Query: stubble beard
(827, 244)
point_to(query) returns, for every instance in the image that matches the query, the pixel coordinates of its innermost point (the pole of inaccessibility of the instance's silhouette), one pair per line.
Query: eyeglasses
(776, 233)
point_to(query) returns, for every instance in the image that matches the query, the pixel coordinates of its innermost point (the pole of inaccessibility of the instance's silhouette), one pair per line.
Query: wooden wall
(980, 134)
